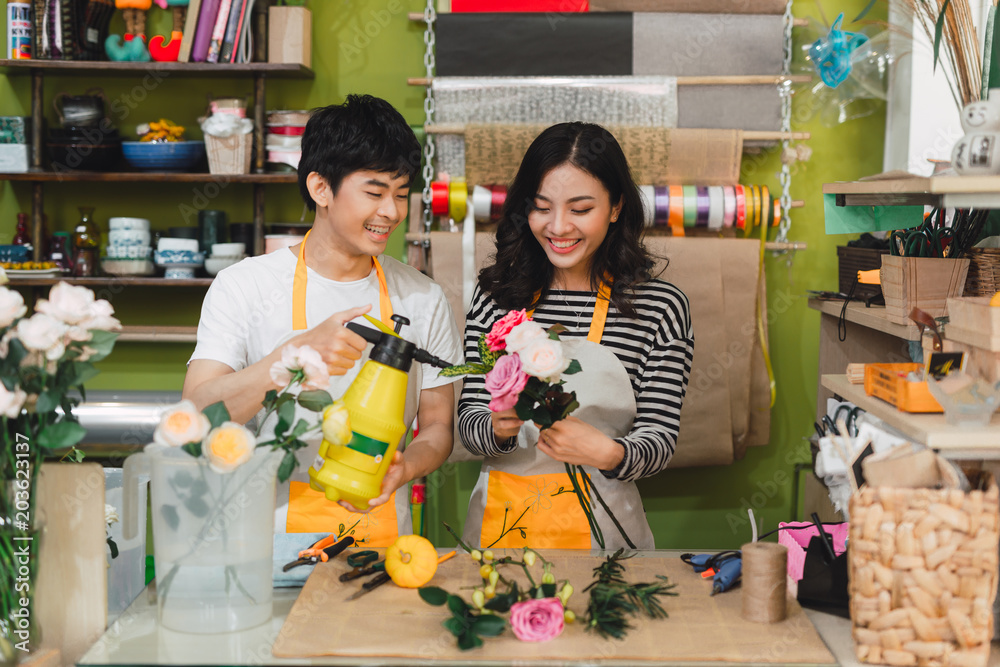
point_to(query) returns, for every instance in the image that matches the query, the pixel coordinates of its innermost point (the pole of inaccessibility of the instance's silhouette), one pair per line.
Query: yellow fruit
(485, 571)
(411, 561)
(995, 301)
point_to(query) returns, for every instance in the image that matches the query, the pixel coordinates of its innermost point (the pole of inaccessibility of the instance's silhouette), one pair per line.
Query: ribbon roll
(439, 198)
(741, 207)
(715, 206)
(499, 193)
(765, 200)
(777, 213)
(728, 205)
(648, 196)
(750, 207)
(756, 205)
(704, 205)
(675, 214)
(661, 206)
(690, 205)
(458, 199)
(481, 201)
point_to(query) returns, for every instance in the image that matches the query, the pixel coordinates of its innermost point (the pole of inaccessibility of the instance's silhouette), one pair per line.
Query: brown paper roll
(765, 573)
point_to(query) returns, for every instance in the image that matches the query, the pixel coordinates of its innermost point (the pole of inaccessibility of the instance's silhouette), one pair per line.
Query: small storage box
(888, 382)
(920, 282)
(922, 566)
(973, 321)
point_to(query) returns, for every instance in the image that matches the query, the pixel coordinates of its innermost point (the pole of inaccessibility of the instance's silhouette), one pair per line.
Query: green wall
(689, 508)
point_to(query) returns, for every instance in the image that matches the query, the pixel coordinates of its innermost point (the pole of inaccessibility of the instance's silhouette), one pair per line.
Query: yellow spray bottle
(375, 403)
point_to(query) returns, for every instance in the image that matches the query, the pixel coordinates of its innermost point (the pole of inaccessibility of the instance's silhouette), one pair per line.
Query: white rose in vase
(43, 333)
(11, 402)
(11, 307)
(180, 425)
(67, 303)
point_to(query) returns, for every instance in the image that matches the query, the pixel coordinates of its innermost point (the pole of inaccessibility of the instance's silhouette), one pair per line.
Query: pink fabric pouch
(797, 540)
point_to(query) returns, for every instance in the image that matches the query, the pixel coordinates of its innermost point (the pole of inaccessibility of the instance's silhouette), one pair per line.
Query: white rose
(68, 303)
(181, 424)
(304, 359)
(43, 333)
(110, 514)
(11, 401)
(543, 358)
(11, 307)
(524, 334)
(337, 424)
(228, 446)
(3, 276)
(78, 334)
(100, 317)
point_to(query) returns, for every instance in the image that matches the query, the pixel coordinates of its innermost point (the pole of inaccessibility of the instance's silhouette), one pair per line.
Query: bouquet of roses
(524, 364)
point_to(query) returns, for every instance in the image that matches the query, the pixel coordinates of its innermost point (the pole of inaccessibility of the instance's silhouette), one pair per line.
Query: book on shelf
(244, 42)
(233, 31)
(203, 32)
(190, 24)
(219, 31)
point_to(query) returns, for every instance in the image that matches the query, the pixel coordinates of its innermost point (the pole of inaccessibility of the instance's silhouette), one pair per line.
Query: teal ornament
(832, 54)
(116, 48)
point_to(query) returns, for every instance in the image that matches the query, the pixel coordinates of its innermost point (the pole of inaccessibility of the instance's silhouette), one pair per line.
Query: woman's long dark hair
(521, 268)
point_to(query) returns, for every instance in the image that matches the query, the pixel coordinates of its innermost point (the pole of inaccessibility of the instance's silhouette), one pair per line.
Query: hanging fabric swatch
(702, 6)
(649, 101)
(548, 44)
(458, 6)
(657, 156)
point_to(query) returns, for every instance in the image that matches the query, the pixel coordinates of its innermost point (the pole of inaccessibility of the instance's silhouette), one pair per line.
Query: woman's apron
(525, 498)
(308, 510)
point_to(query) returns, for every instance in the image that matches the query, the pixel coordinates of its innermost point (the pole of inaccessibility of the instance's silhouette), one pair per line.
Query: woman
(569, 248)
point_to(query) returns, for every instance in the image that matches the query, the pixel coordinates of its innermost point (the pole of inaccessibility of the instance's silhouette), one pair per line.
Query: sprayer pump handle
(400, 322)
(369, 334)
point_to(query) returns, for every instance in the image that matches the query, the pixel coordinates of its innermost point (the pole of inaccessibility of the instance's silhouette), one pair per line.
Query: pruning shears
(320, 552)
(364, 564)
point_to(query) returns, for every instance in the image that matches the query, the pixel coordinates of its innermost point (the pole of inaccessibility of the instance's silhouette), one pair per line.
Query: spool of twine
(765, 573)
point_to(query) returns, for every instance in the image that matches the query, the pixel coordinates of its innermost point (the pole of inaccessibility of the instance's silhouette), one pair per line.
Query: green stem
(584, 499)
(614, 519)
(512, 528)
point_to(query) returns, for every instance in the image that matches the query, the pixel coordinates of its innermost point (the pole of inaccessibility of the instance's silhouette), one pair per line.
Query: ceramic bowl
(129, 252)
(127, 237)
(226, 250)
(127, 267)
(215, 264)
(165, 156)
(186, 257)
(128, 224)
(168, 243)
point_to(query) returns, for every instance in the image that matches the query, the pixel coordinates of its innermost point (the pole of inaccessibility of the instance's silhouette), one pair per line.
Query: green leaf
(457, 605)
(193, 448)
(199, 487)
(574, 367)
(469, 640)
(288, 463)
(113, 547)
(464, 369)
(84, 372)
(555, 330)
(270, 396)
(938, 29)
(217, 414)
(61, 434)
(315, 401)
(500, 603)
(487, 356)
(48, 401)
(182, 479)
(286, 415)
(542, 416)
(548, 590)
(101, 342)
(525, 407)
(169, 513)
(196, 506)
(16, 352)
(865, 11)
(455, 626)
(300, 428)
(489, 625)
(429, 594)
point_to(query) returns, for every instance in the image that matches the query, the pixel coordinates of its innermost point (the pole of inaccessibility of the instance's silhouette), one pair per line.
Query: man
(358, 161)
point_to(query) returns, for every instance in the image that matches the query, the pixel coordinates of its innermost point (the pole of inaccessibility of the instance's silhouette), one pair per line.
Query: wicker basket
(229, 155)
(923, 574)
(984, 272)
(850, 261)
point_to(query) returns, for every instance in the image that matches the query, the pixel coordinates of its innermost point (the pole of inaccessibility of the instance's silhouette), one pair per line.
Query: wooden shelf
(948, 191)
(872, 318)
(158, 334)
(953, 442)
(145, 177)
(108, 281)
(280, 70)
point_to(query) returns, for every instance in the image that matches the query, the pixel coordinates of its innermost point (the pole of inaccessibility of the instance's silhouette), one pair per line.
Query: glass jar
(23, 234)
(61, 252)
(86, 241)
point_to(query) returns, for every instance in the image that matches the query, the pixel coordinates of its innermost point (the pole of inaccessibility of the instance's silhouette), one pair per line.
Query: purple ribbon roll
(661, 197)
(703, 201)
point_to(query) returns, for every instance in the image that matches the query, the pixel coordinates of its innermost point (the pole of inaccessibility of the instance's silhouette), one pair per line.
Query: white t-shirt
(247, 313)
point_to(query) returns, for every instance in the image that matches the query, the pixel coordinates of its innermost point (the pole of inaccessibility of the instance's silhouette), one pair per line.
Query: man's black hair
(363, 133)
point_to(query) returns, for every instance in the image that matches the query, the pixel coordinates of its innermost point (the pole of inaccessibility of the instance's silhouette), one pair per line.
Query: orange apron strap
(299, 288)
(600, 316)
(310, 512)
(302, 278)
(542, 508)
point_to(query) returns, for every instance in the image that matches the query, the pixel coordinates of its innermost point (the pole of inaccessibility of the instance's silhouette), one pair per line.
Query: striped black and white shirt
(656, 348)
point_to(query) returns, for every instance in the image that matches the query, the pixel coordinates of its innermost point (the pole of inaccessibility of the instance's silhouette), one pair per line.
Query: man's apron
(308, 511)
(525, 498)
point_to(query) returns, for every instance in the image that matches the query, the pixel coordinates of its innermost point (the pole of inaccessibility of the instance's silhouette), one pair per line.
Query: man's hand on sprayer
(339, 346)
(395, 477)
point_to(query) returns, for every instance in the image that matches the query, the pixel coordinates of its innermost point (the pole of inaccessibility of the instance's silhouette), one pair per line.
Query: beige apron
(304, 510)
(525, 498)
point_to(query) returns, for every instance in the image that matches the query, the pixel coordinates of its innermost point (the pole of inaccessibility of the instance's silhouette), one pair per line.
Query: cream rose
(11, 402)
(524, 334)
(304, 359)
(11, 306)
(181, 424)
(543, 358)
(43, 333)
(228, 446)
(337, 424)
(100, 317)
(3, 276)
(68, 303)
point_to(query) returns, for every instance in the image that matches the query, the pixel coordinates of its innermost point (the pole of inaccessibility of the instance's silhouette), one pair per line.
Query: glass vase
(212, 536)
(19, 548)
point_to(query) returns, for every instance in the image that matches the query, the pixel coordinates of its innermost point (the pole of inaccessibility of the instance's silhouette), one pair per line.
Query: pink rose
(496, 338)
(505, 382)
(537, 620)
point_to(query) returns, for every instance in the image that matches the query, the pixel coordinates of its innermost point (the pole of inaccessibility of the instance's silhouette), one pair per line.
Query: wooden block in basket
(923, 570)
(920, 282)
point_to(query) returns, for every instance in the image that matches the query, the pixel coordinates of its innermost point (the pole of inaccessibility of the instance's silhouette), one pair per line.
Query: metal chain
(429, 66)
(786, 127)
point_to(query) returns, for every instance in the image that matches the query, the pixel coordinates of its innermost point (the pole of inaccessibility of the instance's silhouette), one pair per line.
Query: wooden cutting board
(395, 622)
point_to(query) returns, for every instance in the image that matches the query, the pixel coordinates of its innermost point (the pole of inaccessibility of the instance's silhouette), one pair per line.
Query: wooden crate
(920, 282)
(973, 321)
(922, 565)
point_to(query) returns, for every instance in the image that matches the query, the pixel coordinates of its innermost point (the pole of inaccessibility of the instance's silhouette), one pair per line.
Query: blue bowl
(167, 156)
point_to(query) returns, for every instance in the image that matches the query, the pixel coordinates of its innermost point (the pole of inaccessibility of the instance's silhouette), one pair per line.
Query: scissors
(364, 564)
(382, 577)
(926, 240)
(320, 552)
